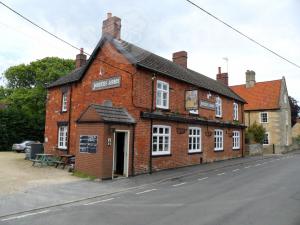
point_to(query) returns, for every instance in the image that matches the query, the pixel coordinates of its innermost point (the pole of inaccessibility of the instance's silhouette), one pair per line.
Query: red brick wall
(135, 95)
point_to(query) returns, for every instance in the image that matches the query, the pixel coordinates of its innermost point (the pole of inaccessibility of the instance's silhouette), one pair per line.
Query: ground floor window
(62, 137)
(266, 140)
(218, 140)
(236, 140)
(161, 138)
(194, 139)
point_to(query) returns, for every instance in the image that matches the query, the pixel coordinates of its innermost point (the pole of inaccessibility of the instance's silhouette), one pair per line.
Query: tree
(255, 133)
(25, 95)
(295, 110)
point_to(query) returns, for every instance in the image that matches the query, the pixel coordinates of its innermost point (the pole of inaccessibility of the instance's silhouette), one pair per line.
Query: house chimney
(80, 58)
(250, 78)
(112, 26)
(222, 77)
(180, 58)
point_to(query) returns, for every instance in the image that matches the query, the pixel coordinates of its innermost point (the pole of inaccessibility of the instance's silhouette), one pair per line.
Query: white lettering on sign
(207, 105)
(106, 84)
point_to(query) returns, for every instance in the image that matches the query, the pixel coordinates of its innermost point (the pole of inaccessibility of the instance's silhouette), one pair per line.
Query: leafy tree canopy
(25, 95)
(295, 110)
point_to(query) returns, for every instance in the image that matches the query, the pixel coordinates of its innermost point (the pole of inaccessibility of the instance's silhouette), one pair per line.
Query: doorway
(121, 144)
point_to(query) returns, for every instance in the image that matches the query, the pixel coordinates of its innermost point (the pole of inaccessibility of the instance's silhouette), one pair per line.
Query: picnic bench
(63, 160)
(43, 159)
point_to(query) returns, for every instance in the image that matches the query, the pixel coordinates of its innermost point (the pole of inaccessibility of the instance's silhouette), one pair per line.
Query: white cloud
(164, 27)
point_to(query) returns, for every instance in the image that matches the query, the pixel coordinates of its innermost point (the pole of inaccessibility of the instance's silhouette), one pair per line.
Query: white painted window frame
(219, 140)
(235, 111)
(236, 140)
(64, 102)
(195, 139)
(218, 106)
(62, 141)
(261, 117)
(163, 136)
(160, 93)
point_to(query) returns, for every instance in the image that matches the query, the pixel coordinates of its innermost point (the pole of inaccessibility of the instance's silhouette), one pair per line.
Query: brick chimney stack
(250, 78)
(112, 26)
(222, 77)
(180, 58)
(80, 58)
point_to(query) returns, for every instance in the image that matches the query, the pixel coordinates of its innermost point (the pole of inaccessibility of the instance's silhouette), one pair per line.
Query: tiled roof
(147, 60)
(262, 96)
(110, 114)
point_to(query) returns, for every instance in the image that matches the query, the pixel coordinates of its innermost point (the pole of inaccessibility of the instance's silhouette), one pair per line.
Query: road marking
(104, 200)
(264, 162)
(220, 174)
(204, 178)
(247, 167)
(235, 170)
(277, 159)
(258, 164)
(25, 215)
(143, 192)
(177, 185)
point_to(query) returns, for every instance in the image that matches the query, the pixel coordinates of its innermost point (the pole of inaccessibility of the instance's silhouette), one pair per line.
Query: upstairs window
(235, 111)
(264, 117)
(161, 139)
(236, 140)
(64, 102)
(218, 140)
(218, 107)
(62, 137)
(162, 95)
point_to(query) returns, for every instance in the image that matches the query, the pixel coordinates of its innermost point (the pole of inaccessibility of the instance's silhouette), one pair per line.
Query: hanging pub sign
(191, 100)
(88, 143)
(106, 84)
(207, 105)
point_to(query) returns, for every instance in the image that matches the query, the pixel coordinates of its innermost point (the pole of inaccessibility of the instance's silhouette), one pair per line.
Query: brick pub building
(127, 111)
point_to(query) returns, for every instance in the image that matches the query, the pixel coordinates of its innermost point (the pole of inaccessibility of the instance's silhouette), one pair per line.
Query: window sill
(163, 109)
(61, 112)
(221, 150)
(218, 117)
(236, 149)
(194, 153)
(162, 155)
(61, 149)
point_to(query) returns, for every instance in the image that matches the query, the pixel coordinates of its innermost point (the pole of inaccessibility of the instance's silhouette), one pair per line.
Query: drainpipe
(69, 120)
(243, 131)
(151, 125)
(132, 151)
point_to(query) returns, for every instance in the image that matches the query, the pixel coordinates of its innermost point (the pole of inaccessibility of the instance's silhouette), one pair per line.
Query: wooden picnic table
(43, 159)
(64, 160)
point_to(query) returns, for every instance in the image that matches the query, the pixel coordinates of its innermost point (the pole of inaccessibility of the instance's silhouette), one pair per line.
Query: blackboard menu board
(88, 143)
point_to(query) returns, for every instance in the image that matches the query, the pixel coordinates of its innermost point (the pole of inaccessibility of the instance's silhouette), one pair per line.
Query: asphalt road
(259, 193)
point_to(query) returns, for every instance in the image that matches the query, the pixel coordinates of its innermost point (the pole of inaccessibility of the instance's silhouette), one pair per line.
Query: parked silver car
(22, 146)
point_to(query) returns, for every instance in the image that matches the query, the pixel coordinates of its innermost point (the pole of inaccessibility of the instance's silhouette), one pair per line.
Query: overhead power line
(243, 34)
(57, 37)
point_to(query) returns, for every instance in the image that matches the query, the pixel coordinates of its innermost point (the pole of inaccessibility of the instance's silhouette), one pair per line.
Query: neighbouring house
(127, 111)
(268, 105)
(296, 129)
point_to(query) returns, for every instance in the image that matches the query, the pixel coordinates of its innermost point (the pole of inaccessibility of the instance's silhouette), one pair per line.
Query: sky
(163, 27)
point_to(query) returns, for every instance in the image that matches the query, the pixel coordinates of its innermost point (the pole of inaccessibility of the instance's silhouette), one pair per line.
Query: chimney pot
(80, 58)
(222, 77)
(109, 15)
(180, 58)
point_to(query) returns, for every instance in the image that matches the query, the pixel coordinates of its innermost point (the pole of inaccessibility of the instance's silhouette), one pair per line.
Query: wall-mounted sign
(207, 105)
(106, 84)
(88, 143)
(191, 100)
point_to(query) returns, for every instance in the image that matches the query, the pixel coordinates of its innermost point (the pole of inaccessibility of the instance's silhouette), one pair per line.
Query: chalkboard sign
(88, 143)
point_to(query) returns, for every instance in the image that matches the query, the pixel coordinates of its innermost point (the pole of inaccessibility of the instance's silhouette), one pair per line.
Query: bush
(255, 134)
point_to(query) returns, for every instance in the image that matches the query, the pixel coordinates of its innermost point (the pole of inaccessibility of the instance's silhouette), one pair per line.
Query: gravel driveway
(17, 174)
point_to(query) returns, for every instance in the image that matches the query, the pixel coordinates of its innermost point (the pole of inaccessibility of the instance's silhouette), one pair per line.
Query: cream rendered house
(268, 104)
